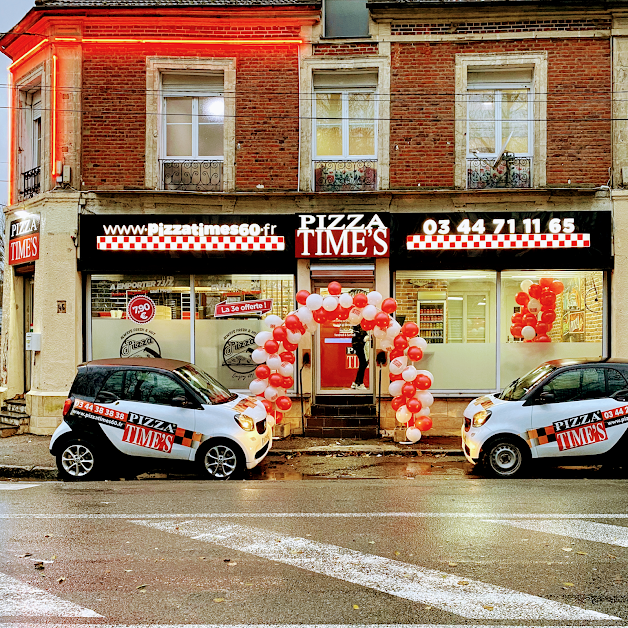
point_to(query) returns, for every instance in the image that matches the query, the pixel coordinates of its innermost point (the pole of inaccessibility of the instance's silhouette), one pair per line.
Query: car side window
(565, 386)
(593, 383)
(615, 381)
(151, 387)
(112, 388)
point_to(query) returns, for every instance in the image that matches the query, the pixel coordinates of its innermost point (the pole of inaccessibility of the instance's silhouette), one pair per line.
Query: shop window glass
(456, 314)
(576, 332)
(116, 335)
(224, 344)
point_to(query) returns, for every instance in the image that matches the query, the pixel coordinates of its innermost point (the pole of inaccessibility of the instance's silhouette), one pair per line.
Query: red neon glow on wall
(11, 136)
(53, 139)
(28, 54)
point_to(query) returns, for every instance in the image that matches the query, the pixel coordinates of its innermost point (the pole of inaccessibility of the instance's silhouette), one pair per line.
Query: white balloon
(305, 315)
(424, 412)
(394, 388)
(273, 362)
(528, 332)
(355, 316)
(425, 397)
(345, 300)
(419, 342)
(398, 364)
(534, 305)
(379, 333)
(286, 368)
(374, 298)
(270, 420)
(314, 302)
(393, 329)
(369, 312)
(330, 304)
(262, 337)
(409, 373)
(271, 393)
(385, 344)
(413, 434)
(258, 386)
(259, 356)
(403, 414)
(294, 336)
(525, 285)
(312, 327)
(272, 321)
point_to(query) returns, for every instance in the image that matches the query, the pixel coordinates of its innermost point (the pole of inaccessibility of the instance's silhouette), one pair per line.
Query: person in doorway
(357, 343)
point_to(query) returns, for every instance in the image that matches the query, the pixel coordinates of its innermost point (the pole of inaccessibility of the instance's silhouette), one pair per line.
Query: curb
(29, 473)
(373, 452)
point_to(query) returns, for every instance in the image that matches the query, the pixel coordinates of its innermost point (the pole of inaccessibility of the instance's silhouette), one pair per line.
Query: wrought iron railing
(510, 172)
(345, 176)
(31, 183)
(194, 176)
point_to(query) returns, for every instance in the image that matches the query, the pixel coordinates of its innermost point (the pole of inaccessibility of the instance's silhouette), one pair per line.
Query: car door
(157, 416)
(570, 413)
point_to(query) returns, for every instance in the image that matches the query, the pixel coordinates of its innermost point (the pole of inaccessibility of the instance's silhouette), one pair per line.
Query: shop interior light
(454, 298)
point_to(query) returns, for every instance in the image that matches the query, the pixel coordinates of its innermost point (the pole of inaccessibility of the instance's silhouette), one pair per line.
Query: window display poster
(339, 361)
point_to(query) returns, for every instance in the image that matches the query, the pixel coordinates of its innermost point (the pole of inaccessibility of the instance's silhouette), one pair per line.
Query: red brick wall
(328, 50)
(578, 109)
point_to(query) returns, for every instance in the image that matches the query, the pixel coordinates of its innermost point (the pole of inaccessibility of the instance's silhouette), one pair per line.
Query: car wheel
(220, 460)
(78, 459)
(504, 458)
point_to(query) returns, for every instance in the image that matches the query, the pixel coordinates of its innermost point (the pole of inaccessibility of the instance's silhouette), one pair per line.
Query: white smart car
(573, 411)
(156, 408)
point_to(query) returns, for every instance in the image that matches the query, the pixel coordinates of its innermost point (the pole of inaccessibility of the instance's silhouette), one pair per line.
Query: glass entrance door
(29, 285)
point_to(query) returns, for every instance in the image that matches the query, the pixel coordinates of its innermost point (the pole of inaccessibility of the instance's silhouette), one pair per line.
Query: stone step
(13, 418)
(341, 422)
(362, 433)
(7, 430)
(345, 410)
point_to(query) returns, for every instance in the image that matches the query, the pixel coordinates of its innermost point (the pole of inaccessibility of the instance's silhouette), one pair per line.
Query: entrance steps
(13, 418)
(338, 416)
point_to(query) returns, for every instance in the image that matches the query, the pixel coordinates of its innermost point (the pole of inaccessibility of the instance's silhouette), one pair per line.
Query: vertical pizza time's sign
(24, 240)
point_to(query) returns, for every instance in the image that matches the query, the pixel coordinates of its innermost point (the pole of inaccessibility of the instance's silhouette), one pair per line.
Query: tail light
(67, 406)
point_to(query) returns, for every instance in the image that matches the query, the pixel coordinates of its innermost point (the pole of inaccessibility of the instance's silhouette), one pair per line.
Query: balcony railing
(192, 176)
(345, 176)
(31, 183)
(510, 172)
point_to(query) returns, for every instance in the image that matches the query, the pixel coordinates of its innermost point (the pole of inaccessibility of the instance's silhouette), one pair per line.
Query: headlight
(245, 422)
(481, 417)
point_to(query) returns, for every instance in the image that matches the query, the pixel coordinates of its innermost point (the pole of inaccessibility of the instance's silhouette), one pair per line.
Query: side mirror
(547, 397)
(106, 396)
(181, 401)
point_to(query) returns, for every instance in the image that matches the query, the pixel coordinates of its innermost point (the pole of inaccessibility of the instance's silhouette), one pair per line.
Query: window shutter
(193, 83)
(500, 76)
(345, 80)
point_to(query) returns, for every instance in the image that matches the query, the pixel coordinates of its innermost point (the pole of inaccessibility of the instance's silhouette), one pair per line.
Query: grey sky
(11, 12)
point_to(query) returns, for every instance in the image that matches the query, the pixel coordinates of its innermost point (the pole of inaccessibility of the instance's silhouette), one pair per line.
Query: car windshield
(205, 385)
(517, 389)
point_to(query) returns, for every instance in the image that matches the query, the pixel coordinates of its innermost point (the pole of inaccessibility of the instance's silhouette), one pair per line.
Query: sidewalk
(27, 457)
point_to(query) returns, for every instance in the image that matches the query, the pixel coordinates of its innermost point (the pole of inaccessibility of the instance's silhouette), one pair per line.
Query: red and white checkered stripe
(190, 243)
(499, 241)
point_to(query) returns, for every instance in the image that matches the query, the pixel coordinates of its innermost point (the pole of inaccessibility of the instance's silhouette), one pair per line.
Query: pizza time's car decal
(578, 431)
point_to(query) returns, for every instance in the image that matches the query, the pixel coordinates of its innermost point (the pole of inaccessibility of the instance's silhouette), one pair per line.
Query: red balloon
(546, 282)
(288, 382)
(414, 405)
(278, 417)
(334, 314)
(548, 298)
(548, 316)
(271, 346)
(410, 423)
(543, 338)
(275, 380)
(516, 319)
(396, 353)
(557, 287)
(541, 328)
(382, 320)
(360, 300)
(302, 296)
(397, 402)
(283, 403)
(529, 319)
(367, 325)
(287, 356)
(280, 333)
(534, 291)
(394, 378)
(400, 342)
(289, 346)
(262, 372)
(524, 310)
(388, 306)
(424, 423)
(522, 298)
(344, 313)
(320, 315)
(268, 405)
(549, 326)
(408, 390)
(515, 330)
(410, 329)
(415, 354)
(292, 322)
(423, 382)
(334, 288)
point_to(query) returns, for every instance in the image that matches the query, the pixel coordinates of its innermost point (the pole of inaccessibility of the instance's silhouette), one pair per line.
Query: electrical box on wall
(33, 342)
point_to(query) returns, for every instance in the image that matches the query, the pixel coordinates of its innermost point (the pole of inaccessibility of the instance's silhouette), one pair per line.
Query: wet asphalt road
(433, 549)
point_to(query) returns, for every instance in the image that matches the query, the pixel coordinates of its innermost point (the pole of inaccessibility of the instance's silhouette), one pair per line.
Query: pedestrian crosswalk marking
(18, 599)
(585, 530)
(473, 599)
(15, 486)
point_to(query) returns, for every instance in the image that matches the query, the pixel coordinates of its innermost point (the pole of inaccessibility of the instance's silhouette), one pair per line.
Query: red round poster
(141, 309)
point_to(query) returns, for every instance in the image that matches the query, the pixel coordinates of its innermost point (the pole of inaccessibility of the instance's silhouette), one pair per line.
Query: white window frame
(345, 126)
(36, 140)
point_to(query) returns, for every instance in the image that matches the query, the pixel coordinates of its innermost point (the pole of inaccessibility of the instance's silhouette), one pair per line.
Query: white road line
(585, 530)
(418, 584)
(15, 486)
(18, 599)
(314, 515)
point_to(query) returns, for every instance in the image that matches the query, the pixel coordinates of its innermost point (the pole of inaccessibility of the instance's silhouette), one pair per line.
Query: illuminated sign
(24, 240)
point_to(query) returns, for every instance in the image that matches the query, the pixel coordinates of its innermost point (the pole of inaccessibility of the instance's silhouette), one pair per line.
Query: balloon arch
(275, 355)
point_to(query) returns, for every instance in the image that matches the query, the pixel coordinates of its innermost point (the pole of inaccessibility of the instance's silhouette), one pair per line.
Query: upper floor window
(30, 143)
(345, 131)
(193, 144)
(500, 132)
(346, 18)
